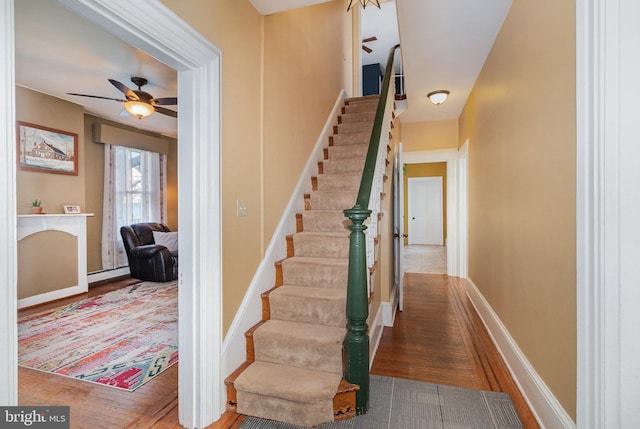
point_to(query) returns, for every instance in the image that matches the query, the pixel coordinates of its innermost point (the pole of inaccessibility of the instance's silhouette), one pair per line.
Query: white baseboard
(375, 335)
(543, 404)
(73, 290)
(389, 308)
(107, 275)
(50, 296)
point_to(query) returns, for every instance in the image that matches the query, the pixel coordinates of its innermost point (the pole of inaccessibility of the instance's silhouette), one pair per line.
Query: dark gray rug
(396, 403)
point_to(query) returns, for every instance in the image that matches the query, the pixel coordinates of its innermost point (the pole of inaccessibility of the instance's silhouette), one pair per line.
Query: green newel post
(356, 343)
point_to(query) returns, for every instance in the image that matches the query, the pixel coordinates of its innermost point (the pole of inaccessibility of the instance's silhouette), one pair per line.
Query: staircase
(294, 367)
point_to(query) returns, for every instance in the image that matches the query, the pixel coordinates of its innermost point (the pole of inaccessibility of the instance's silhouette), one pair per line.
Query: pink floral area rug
(120, 339)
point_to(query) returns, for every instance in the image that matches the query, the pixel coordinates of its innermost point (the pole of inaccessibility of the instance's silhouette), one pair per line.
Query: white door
(425, 211)
(398, 225)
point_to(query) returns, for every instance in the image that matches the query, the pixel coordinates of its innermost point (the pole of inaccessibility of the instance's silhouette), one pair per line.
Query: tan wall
(299, 91)
(520, 122)
(50, 255)
(235, 27)
(54, 190)
(432, 135)
(427, 169)
(303, 77)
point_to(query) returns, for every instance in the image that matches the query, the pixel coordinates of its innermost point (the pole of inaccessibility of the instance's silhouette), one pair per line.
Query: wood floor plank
(438, 338)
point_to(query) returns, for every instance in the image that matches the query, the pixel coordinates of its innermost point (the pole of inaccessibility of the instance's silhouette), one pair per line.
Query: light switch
(241, 208)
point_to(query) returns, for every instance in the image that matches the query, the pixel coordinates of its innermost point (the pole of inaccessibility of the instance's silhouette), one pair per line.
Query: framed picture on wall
(47, 150)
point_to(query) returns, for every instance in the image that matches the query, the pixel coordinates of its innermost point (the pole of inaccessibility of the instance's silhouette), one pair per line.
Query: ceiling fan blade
(166, 101)
(125, 90)
(96, 96)
(367, 49)
(370, 39)
(167, 112)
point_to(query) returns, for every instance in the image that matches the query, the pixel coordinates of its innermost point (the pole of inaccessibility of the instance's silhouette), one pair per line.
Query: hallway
(439, 338)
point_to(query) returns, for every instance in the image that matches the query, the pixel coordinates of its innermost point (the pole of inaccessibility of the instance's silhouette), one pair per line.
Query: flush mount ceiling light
(363, 3)
(438, 97)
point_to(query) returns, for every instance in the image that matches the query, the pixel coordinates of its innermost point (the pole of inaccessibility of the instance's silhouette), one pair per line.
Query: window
(134, 192)
(138, 197)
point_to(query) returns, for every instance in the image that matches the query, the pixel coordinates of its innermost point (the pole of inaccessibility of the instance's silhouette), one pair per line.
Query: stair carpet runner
(294, 368)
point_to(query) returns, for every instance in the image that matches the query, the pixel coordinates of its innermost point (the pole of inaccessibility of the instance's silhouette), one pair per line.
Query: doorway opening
(452, 162)
(426, 218)
(198, 62)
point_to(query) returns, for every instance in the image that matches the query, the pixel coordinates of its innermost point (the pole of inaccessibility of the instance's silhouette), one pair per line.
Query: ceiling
(79, 57)
(444, 45)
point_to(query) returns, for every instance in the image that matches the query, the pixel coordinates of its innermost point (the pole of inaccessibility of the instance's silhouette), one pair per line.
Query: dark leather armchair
(147, 260)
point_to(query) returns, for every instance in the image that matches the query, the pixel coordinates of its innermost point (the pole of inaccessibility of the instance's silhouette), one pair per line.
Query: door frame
(411, 200)
(172, 41)
(607, 209)
(457, 244)
(398, 232)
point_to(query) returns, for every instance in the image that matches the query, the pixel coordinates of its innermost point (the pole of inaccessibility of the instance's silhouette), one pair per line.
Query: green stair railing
(356, 344)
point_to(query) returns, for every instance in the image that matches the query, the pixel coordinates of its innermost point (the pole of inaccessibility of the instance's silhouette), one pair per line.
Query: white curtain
(134, 192)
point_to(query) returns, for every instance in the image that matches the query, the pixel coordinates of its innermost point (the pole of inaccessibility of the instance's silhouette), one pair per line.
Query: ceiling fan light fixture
(139, 108)
(364, 3)
(438, 97)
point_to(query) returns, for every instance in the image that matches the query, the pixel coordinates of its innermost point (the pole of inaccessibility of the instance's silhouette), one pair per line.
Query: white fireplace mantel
(73, 224)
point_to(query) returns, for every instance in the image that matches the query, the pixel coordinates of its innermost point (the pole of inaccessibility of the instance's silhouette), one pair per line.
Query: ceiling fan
(365, 48)
(138, 102)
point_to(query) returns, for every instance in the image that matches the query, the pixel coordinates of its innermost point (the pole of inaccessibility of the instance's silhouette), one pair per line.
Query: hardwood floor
(437, 338)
